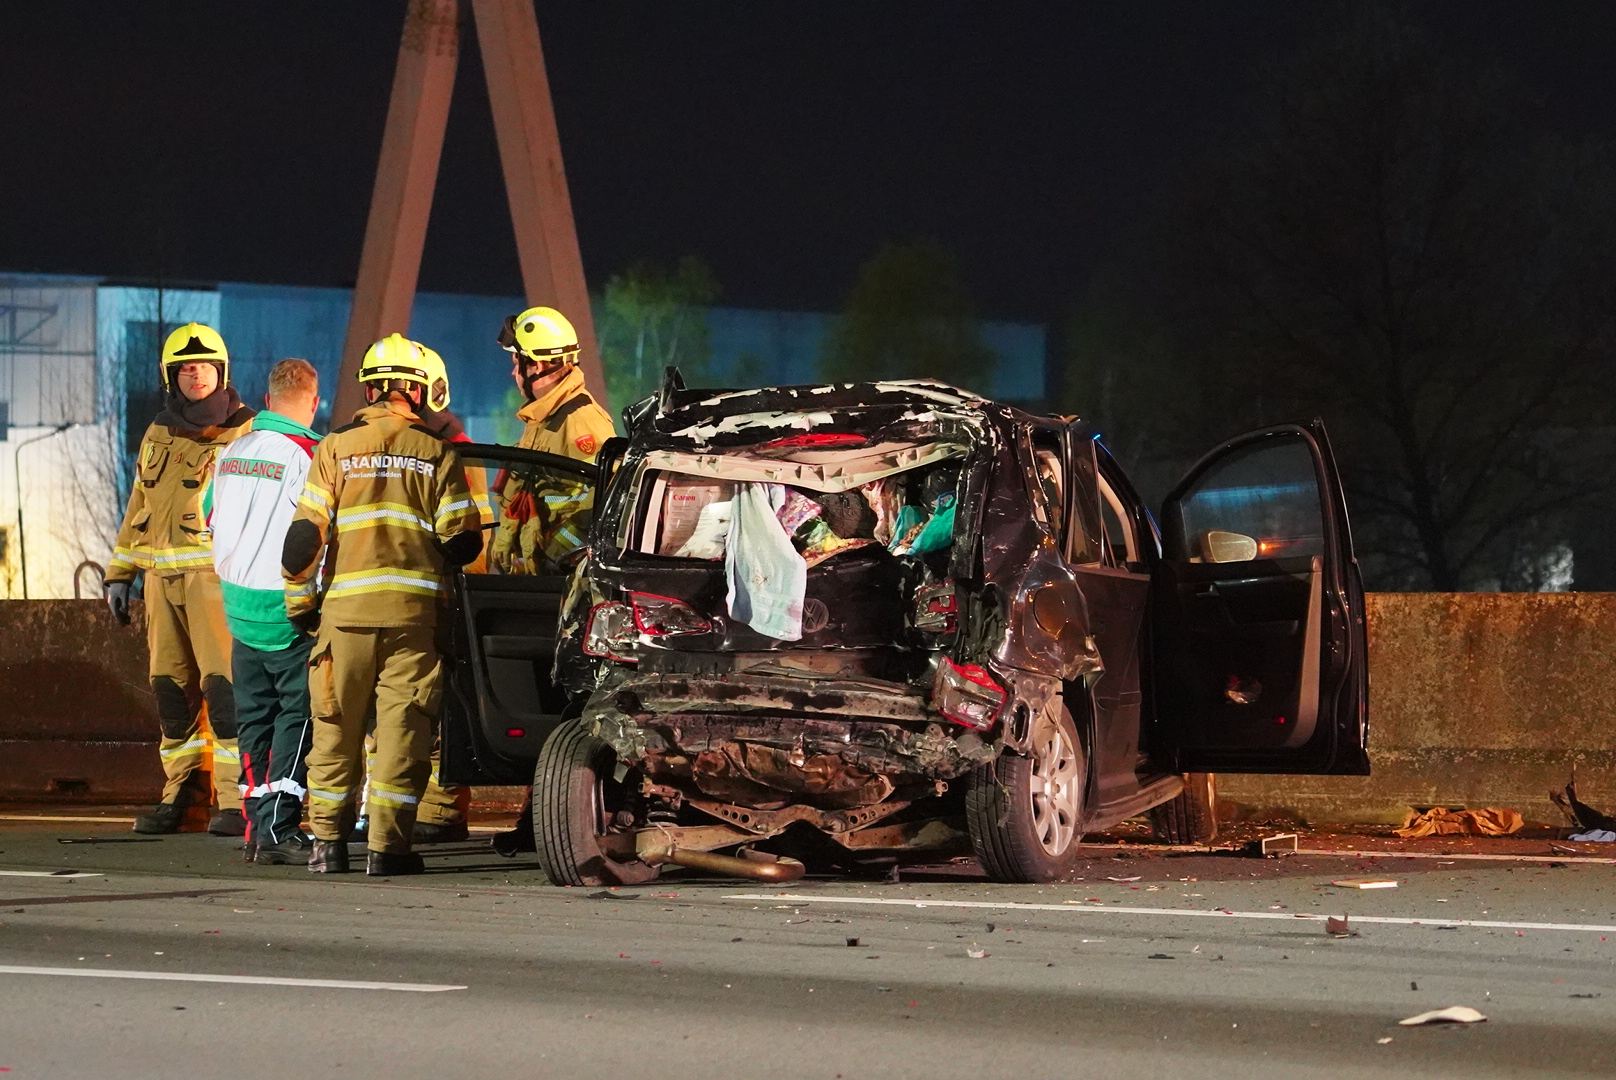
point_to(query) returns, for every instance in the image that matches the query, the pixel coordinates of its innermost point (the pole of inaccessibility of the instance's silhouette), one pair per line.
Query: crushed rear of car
(861, 713)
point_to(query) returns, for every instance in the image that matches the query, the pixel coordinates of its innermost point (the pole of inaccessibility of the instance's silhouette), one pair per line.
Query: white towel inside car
(767, 576)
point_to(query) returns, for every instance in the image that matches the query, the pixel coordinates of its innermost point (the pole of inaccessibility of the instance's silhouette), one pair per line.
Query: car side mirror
(1218, 546)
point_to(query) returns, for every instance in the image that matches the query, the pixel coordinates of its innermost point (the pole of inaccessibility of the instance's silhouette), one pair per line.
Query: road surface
(1149, 966)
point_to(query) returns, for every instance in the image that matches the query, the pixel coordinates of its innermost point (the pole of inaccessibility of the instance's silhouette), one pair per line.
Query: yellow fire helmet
(542, 335)
(437, 379)
(195, 343)
(397, 357)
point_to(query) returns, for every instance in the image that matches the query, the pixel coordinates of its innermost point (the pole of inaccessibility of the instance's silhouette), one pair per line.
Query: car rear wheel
(578, 803)
(1024, 811)
(1190, 817)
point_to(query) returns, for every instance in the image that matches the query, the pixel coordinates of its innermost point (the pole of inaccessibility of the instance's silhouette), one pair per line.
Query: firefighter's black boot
(519, 839)
(328, 857)
(427, 833)
(164, 818)
(293, 850)
(227, 823)
(394, 863)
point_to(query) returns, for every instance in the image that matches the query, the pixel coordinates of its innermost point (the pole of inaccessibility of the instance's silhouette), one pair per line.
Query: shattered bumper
(826, 739)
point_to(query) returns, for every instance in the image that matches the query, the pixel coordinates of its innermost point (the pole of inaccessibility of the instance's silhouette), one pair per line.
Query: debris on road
(1364, 883)
(1271, 847)
(1383, 1040)
(1440, 821)
(1338, 927)
(1123, 880)
(1584, 818)
(1594, 836)
(1453, 1014)
(977, 954)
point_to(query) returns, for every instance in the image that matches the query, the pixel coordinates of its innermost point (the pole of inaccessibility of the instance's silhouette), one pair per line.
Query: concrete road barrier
(76, 714)
(1476, 699)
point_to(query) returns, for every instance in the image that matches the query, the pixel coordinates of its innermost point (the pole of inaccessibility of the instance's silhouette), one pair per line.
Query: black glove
(117, 594)
(308, 622)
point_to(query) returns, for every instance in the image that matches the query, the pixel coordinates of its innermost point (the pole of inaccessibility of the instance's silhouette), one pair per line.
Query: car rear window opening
(907, 505)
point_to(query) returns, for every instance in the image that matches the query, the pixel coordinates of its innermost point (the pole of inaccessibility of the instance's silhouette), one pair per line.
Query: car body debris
(1453, 1014)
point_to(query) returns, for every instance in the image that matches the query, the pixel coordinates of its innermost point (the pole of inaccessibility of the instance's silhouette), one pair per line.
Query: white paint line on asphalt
(61, 817)
(249, 980)
(1352, 853)
(1348, 853)
(1195, 913)
(48, 873)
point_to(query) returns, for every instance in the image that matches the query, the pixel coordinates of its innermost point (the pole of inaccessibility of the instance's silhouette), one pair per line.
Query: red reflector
(817, 440)
(515, 732)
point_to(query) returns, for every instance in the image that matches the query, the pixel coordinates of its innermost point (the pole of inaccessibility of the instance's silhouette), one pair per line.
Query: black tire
(1006, 831)
(574, 794)
(1191, 816)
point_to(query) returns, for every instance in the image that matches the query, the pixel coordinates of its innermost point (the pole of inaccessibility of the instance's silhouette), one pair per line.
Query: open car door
(1260, 648)
(499, 704)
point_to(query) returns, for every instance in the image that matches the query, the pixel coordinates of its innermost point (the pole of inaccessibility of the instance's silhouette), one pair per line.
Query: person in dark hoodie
(165, 534)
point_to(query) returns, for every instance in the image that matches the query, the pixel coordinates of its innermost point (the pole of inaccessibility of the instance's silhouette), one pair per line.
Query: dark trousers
(272, 718)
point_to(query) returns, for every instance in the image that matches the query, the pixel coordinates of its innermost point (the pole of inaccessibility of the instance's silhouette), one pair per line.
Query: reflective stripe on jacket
(382, 493)
(164, 527)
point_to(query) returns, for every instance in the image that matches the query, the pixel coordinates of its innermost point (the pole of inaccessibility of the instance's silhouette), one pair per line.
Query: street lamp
(16, 474)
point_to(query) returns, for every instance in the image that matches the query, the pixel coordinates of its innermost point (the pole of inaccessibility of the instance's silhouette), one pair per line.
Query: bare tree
(1396, 247)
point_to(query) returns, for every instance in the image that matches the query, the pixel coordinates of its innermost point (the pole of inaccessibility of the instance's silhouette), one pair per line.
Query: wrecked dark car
(852, 622)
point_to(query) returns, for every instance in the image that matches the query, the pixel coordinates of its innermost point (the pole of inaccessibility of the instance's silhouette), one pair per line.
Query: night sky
(782, 142)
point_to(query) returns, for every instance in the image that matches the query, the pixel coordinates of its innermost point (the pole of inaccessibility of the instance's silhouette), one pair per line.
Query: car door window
(1122, 539)
(1049, 467)
(536, 509)
(1260, 501)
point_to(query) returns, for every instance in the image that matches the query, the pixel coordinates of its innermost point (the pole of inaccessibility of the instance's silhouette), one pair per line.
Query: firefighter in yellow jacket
(165, 534)
(541, 530)
(388, 508)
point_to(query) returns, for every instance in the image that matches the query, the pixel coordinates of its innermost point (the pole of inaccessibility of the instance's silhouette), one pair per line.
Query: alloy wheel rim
(1054, 784)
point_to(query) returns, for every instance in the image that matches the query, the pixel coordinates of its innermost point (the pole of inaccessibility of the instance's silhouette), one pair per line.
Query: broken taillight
(937, 608)
(610, 632)
(663, 616)
(966, 694)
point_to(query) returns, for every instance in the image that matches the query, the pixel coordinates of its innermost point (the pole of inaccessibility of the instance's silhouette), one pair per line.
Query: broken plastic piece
(1365, 883)
(1453, 1014)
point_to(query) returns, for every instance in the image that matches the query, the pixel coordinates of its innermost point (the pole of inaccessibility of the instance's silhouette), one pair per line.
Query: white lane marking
(251, 980)
(1352, 853)
(63, 817)
(1217, 913)
(47, 873)
(1445, 856)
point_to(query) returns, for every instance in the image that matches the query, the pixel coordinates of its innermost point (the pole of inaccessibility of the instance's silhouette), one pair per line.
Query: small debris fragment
(1160, 956)
(1412, 985)
(1365, 883)
(1584, 995)
(977, 954)
(1384, 1040)
(1453, 1014)
(1339, 927)
(852, 943)
(1123, 879)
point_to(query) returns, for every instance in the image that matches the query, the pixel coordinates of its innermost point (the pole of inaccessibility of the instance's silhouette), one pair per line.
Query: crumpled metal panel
(670, 743)
(1048, 630)
(834, 473)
